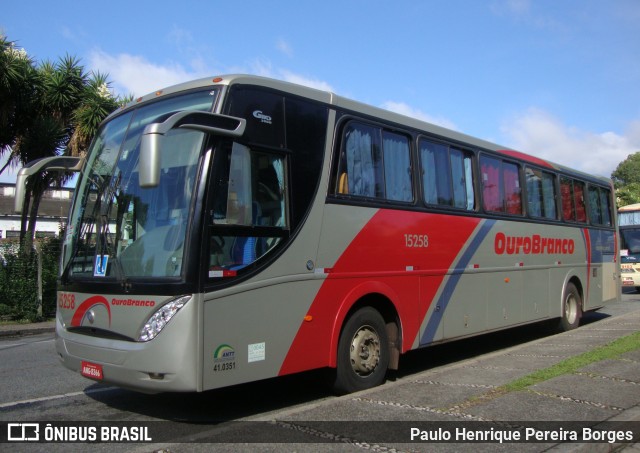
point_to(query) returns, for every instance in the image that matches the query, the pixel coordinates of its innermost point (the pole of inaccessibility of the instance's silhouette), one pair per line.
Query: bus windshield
(116, 228)
(630, 240)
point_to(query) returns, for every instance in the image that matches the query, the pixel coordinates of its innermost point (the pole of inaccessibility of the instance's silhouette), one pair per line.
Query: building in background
(52, 213)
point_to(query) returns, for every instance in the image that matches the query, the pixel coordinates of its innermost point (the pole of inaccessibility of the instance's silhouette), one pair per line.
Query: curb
(27, 329)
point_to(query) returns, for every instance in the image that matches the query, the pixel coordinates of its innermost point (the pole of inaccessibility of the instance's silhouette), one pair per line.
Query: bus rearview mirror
(54, 163)
(151, 140)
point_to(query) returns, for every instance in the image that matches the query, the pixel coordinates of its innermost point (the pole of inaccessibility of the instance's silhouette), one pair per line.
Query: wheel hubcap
(571, 308)
(365, 351)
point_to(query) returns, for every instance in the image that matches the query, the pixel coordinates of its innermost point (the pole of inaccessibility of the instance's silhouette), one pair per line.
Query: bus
(239, 228)
(629, 224)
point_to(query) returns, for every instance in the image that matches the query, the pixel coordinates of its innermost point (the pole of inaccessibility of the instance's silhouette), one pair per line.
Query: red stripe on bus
(86, 306)
(376, 262)
(587, 243)
(527, 157)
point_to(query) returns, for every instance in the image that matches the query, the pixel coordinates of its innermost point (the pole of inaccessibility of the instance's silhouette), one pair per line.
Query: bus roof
(629, 208)
(349, 104)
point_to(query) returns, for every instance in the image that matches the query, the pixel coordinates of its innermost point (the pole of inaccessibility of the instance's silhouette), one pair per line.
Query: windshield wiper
(104, 243)
(79, 243)
(111, 250)
(103, 247)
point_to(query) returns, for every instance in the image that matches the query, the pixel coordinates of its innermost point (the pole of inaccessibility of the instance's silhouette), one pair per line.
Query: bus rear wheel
(571, 308)
(363, 352)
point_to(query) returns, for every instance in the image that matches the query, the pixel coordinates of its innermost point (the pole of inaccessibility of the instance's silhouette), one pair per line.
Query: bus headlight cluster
(161, 317)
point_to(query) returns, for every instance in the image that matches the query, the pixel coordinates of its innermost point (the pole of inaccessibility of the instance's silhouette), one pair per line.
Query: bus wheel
(363, 352)
(571, 308)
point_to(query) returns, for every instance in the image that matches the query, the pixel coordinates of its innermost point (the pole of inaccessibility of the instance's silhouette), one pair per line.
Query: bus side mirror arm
(54, 163)
(151, 140)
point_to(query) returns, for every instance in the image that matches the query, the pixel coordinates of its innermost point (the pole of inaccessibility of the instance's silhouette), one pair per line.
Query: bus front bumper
(630, 278)
(168, 363)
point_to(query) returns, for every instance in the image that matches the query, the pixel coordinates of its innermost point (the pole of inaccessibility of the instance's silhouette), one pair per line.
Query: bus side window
(397, 167)
(573, 204)
(595, 212)
(249, 190)
(549, 196)
(447, 175)
(579, 196)
(361, 161)
(374, 163)
(534, 192)
(501, 191)
(436, 173)
(492, 192)
(541, 194)
(566, 189)
(512, 190)
(462, 178)
(599, 206)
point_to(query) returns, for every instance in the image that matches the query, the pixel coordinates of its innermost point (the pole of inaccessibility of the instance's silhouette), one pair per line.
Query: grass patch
(568, 366)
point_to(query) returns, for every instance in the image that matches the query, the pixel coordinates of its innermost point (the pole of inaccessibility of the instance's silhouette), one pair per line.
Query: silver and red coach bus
(239, 228)
(629, 225)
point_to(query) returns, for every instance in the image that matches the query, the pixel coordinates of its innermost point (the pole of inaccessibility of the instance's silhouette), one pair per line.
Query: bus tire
(571, 308)
(363, 352)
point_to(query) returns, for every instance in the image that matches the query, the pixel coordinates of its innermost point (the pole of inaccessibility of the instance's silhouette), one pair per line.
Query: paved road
(435, 384)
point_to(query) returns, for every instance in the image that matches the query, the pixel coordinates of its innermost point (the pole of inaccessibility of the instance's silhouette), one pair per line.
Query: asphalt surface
(595, 395)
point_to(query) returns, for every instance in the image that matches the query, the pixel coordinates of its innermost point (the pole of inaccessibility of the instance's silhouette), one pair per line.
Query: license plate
(91, 370)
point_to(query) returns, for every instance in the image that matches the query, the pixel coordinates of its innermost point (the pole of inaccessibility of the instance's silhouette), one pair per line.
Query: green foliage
(47, 109)
(609, 351)
(5, 311)
(97, 104)
(50, 263)
(627, 172)
(64, 88)
(17, 79)
(628, 194)
(626, 179)
(19, 280)
(47, 133)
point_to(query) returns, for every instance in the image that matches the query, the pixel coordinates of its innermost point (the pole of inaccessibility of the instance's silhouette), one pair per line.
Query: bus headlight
(161, 317)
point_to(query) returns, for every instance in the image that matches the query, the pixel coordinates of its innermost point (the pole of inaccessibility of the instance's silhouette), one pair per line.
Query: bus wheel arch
(368, 344)
(571, 305)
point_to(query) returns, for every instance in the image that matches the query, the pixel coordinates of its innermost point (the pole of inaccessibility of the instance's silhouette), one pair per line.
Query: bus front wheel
(363, 352)
(571, 308)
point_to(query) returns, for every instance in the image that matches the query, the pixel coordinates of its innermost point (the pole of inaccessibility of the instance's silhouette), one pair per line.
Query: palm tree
(47, 110)
(60, 88)
(97, 103)
(17, 83)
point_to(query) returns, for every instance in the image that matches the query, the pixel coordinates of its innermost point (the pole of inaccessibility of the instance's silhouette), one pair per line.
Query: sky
(558, 79)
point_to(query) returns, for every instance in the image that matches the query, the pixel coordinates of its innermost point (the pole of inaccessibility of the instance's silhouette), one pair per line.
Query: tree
(97, 104)
(47, 110)
(626, 179)
(17, 81)
(628, 194)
